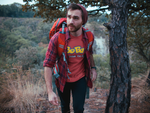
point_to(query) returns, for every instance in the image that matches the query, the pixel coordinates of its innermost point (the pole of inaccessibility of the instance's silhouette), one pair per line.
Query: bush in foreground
(20, 90)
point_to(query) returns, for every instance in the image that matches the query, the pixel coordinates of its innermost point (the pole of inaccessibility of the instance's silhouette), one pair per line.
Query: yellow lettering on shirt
(69, 50)
(76, 49)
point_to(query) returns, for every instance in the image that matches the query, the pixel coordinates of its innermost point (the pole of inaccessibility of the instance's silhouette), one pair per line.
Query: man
(80, 63)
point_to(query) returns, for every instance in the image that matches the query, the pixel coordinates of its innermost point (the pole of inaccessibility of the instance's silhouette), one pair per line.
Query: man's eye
(76, 18)
(69, 16)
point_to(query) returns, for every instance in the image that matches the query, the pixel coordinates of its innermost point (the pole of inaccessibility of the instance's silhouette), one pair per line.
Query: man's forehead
(74, 12)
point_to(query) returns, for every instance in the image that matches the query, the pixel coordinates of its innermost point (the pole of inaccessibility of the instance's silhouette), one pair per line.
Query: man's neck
(77, 33)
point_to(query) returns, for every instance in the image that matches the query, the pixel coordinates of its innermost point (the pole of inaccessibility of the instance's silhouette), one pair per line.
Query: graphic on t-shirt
(76, 49)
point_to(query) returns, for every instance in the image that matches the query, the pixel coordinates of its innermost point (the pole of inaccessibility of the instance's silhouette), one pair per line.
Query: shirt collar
(68, 36)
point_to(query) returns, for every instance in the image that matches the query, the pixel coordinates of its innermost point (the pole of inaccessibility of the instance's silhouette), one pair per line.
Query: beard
(73, 27)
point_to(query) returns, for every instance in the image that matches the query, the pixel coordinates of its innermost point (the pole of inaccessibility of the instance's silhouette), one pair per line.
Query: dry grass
(140, 101)
(20, 90)
(103, 78)
(24, 92)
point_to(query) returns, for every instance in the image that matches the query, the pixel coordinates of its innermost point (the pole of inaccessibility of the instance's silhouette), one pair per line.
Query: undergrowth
(20, 90)
(103, 71)
(140, 101)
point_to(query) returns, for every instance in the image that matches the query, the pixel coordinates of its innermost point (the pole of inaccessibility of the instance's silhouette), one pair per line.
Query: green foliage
(140, 6)
(50, 10)
(43, 52)
(138, 37)
(101, 19)
(43, 30)
(102, 61)
(103, 71)
(30, 57)
(44, 40)
(138, 68)
(10, 41)
(3, 34)
(21, 42)
(33, 38)
(14, 10)
(138, 65)
(11, 23)
(26, 57)
(18, 33)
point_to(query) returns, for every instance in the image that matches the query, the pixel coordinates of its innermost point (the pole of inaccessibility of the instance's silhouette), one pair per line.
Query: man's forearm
(92, 61)
(48, 79)
(93, 68)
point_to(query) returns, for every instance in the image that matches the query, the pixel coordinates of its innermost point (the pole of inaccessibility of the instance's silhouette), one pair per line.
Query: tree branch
(91, 12)
(98, 10)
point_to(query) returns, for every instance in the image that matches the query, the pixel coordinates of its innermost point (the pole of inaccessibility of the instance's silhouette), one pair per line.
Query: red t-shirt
(75, 51)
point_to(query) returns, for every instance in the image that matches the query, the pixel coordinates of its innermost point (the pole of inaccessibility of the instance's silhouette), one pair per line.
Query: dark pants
(78, 93)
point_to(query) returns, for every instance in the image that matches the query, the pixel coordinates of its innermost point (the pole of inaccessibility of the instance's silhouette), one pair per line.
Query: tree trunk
(120, 84)
(148, 73)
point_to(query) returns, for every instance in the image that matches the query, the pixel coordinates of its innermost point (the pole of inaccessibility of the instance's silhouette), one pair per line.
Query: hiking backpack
(59, 25)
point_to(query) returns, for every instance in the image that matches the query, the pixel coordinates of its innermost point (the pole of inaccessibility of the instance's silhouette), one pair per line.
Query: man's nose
(71, 20)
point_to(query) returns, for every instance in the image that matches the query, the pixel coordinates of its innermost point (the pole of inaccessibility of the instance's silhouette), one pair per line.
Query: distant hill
(14, 10)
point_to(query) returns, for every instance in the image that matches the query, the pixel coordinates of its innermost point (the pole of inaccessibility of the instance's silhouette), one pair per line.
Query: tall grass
(140, 101)
(103, 71)
(20, 90)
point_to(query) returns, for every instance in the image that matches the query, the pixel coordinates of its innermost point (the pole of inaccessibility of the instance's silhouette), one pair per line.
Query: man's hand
(94, 74)
(52, 97)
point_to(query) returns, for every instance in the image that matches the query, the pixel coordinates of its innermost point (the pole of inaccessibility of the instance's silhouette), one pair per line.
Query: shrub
(140, 100)
(103, 71)
(29, 57)
(137, 68)
(101, 61)
(20, 90)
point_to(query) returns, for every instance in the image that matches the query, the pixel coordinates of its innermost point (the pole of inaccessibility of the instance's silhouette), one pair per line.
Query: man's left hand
(94, 74)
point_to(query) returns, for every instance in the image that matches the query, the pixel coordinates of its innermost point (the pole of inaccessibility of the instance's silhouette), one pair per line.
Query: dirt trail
(95, 104)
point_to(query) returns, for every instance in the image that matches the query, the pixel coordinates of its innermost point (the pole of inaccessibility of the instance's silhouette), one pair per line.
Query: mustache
(70, 25)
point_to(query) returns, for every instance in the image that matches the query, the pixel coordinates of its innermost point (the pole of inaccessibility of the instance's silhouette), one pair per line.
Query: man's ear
(82, 21)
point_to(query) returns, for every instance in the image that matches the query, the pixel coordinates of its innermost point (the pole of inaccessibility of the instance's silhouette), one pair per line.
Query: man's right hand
(52, 97)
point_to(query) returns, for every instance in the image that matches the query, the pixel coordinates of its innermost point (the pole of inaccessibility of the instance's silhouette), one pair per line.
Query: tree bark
(148, 73)
(120, 84)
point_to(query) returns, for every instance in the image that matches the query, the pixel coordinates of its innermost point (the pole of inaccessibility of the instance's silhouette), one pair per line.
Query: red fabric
(52, 53)
(76, 58)
(56, 26)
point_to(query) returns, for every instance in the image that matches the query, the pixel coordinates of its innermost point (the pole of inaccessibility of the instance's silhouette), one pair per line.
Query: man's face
(74, 20)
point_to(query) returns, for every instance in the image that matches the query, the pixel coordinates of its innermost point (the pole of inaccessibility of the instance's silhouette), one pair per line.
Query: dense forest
(14, 10)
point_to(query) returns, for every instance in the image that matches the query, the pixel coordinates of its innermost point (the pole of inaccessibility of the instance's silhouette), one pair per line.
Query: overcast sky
(5, 2)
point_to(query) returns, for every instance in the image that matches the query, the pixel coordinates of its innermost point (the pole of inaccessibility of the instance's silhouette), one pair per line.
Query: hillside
(31, 31)
(14, 10)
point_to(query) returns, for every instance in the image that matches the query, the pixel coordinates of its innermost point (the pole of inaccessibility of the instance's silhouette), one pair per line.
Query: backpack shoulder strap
(61, 40)
(90, 38)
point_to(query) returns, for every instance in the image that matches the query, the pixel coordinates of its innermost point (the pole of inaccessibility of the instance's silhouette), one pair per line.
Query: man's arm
(52, 97)
(93, 71)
